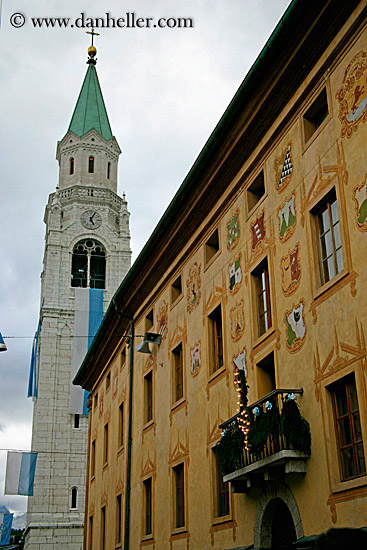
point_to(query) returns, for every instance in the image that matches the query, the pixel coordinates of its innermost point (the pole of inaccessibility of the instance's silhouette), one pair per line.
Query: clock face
(91, 219)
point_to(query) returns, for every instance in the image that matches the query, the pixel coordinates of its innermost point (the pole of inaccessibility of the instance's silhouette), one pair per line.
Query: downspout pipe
(129, 441)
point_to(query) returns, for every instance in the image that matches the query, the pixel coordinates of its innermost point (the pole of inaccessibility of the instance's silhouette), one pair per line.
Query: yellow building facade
(258, 265)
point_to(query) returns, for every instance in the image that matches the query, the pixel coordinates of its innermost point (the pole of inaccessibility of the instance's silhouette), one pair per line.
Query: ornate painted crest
(237, 315)
(291, 271)
(233, 230)
(195, 362)
(360, 199)
(193, 284)
(114, 383)
(162, 319)
(101, 405)
(258, 232)
(239, 363)
(352, 96)
(283, 168)
(287, 218)
(296, 328)
(235, 275)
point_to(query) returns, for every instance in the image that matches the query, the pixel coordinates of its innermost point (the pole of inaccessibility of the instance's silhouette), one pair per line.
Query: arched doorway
(283, 529)
(278, 522)
(278, 531)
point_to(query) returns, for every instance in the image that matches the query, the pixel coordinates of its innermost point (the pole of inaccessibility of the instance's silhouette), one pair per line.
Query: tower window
(74, 497)
(88, 266)
(108, 170)
(91, 165)
(71, 166)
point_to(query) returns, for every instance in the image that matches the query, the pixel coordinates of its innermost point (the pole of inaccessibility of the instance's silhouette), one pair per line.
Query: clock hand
(91, 218)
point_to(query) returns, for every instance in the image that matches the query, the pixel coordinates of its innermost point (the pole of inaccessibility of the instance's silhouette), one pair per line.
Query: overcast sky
(164, 89)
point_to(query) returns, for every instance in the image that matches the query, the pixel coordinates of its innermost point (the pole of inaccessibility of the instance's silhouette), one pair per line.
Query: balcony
(277, 444)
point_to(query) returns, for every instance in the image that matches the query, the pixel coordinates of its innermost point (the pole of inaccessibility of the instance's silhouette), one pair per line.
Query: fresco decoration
(352, 96)
(258, 231)
(283, 168)
(340, 352)
(235, 275)
(101, 398)
(237, 316)
(233, 230)
(162, 319)
(290, 266)
(360, 200)
(295, 327)
(287, 218)
(115, 383)
(195, 359)
(324, 176)
(193, 284)
(239, 363)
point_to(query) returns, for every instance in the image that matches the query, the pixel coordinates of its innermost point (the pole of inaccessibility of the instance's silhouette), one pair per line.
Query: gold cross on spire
(92, 33)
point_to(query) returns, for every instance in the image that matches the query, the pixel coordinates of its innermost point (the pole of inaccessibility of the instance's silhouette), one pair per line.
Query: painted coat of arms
(239, 363)
(115, 384)
(195, 362)
(233, 230)
(291, 271)
(296, 328)
(258, 232)
(352, 96)
(235, 275)
(162, 319)
(193, 284)
(237, 315)
(287, 218)
(283, 167)
(360, 199)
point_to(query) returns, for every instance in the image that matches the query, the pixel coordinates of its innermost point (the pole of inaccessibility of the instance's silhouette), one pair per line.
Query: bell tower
(87, 254)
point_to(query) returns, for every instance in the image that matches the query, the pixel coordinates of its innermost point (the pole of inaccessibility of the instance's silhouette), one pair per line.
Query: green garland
(270, 425)
(266, 426)
(229, 449)
(295, 428)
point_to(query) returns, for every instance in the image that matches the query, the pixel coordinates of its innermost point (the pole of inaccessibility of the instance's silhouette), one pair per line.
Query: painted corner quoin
(352, 96)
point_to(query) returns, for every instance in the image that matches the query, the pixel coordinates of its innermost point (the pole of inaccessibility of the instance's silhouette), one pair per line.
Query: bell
(143, 347)
(2, 344)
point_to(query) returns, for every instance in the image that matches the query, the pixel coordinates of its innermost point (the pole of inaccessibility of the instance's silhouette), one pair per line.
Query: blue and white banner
(32, 382)
(88, 317)
(20, 468)
(6, 521)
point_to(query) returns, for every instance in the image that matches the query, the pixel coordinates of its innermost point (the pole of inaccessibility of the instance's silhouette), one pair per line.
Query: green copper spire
(90, 111)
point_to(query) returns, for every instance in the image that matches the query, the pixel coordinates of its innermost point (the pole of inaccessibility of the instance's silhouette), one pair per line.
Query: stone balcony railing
(281, 451)
(91, 193)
